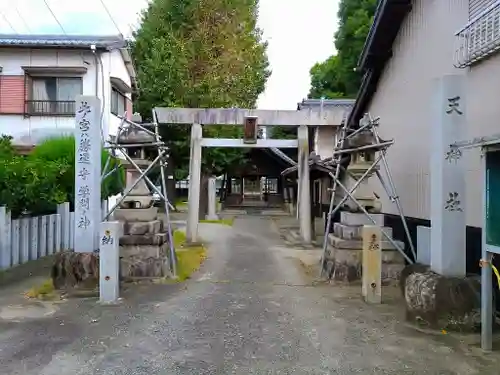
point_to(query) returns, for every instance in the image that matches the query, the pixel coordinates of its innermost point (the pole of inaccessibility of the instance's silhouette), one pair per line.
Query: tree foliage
(200, 54)
(37, 183)
(336, 77)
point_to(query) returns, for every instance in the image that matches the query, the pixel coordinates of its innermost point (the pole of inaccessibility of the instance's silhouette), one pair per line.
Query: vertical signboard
(87, 173)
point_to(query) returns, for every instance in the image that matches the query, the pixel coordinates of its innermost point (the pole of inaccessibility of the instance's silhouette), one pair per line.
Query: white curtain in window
(40, 90)
(40, 95)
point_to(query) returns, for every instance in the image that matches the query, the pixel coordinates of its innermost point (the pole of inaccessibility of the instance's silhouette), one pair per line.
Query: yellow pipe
(496, 274)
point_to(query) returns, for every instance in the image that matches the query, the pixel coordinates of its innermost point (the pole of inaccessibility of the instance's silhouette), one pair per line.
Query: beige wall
(424, 50)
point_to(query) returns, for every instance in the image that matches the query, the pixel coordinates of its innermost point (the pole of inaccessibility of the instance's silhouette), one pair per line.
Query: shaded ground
(250, 310)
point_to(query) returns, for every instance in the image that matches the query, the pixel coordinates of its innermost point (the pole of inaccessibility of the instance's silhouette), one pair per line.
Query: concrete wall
(12, 61)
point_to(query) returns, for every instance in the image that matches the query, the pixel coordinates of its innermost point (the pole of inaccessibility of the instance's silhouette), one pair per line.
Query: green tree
(200, 54)
(336, 77)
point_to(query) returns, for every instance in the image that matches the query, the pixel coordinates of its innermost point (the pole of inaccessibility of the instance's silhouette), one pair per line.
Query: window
(54, 96)
(118, 102)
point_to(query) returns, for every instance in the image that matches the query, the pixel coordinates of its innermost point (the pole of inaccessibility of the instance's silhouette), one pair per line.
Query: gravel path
(249, 310)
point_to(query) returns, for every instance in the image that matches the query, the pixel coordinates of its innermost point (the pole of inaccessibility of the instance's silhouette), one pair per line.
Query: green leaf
(200, 54)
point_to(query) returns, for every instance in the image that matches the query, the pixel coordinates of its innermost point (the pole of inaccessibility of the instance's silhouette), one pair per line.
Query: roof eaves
(381, 8)
(308, 103)
(397, 10)
(62, 41)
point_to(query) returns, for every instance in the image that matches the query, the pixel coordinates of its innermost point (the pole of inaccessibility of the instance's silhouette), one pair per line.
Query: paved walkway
(250, 310)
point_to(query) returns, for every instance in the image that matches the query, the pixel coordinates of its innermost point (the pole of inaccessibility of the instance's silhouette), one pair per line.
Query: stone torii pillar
(194, 184)
(304, 187)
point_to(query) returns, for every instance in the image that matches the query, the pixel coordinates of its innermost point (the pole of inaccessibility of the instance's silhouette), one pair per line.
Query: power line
(22, 19)
(111, 17)
(53, 15)
(7, 21)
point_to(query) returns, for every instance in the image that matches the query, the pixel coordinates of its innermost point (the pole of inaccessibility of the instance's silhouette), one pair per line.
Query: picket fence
(31, 238)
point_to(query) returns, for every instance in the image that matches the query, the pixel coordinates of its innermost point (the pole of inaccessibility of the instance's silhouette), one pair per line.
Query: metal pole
(332, 200)
(395, 195)
(374, 222)
(146, 178)
(487, 258)
(367, 147)
(355, 186)
(127, 192)
(173, 255)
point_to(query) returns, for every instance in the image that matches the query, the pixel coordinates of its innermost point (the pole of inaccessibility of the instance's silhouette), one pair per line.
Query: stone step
(351, 232)
(341, 243)
(351, 218)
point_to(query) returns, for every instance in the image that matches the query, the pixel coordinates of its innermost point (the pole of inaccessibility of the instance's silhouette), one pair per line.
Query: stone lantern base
(144, 247)
(344, 253)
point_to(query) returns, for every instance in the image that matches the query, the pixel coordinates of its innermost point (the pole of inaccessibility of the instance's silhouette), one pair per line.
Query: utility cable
(7, 21)
(111, 17)
(22, 19)
(54, 16)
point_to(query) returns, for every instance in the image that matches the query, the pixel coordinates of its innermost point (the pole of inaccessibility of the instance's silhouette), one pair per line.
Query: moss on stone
(43, 291)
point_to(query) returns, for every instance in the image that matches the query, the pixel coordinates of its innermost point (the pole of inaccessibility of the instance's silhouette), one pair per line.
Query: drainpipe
(96, 63)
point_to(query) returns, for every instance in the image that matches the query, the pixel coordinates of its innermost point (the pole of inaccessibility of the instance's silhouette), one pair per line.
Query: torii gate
(235, 116)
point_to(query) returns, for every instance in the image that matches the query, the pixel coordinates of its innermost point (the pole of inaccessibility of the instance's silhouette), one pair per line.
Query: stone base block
(356, 219)
(142, 227)
(212, 217)
(144, 251)
(350, 232)
(136, 214)
(441, 302)
(341, 243)
(346, 265)
(152, 267)
(157, 239)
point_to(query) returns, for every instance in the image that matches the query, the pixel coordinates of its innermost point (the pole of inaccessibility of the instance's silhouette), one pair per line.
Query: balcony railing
(50, 107)
(480, 38)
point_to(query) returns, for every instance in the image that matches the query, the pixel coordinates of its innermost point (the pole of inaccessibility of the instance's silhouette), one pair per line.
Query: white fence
(31, 238)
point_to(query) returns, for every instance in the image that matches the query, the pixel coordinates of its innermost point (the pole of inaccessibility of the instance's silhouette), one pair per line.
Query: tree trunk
(203, 196)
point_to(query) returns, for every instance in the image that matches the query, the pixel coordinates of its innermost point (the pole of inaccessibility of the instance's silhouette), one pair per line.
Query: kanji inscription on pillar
(87, 173)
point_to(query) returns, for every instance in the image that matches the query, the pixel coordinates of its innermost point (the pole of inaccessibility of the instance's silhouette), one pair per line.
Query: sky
(299, 33)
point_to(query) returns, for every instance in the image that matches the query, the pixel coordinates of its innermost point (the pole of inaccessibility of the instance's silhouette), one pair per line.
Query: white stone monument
(448, 220)
(87, 173)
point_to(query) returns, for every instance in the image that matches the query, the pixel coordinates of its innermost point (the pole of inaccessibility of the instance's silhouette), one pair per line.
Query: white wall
(423, 51)
(12, 61)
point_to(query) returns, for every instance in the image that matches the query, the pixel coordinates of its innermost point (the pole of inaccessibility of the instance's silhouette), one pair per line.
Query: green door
(493, 198)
